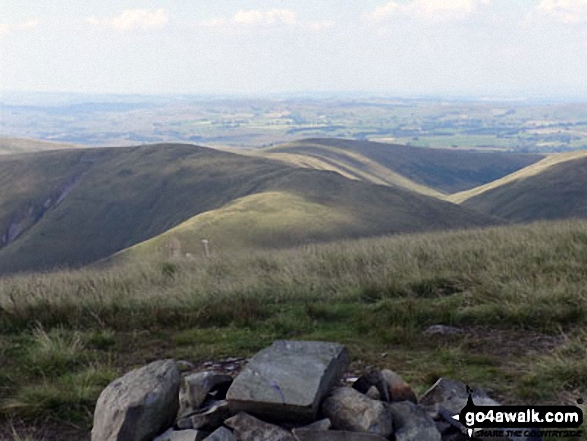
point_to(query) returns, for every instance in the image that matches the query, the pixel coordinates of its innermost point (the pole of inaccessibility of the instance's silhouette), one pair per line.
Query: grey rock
(248, 428)
(411, 422)
(187, 435)
(166, 436)
(221, 434)
(288, 380)
(196, 387)
(336, 435)
(323, 424)
(138, 405)
(349, 409)
(209, 418)
(452, 396)
(397, 388)
(443, 330)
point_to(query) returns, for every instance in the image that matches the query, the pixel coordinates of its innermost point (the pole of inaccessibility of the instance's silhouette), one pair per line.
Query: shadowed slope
(555, 191)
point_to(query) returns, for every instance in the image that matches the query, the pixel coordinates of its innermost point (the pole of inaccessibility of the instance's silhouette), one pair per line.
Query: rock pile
(290, 391)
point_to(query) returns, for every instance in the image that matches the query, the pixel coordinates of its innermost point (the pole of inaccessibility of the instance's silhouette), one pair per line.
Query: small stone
(249, 428)
(208, 418)
(372, 379)
(350, 410)
(323, 424)
(166, 436)
(397, 388)
(196, 387)
(373, 393)
(221, 434)
(184, 365)
(442, 330)
(138, 405)
(336, 435)
(411, 422)
(188, 435)
(452, 396)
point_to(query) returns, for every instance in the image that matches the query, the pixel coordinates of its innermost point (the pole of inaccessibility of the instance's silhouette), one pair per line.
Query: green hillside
(73, 207)
(281, 219)
(25, 145)
(531, 170)
(553, 191)
(429, 171)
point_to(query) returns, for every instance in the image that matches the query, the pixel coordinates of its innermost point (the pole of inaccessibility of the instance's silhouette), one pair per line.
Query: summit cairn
(289, 391)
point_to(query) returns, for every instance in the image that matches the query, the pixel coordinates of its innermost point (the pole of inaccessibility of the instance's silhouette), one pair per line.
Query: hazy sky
(401, 47)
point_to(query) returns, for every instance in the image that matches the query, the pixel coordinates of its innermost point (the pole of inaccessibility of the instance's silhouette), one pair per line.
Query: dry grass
(76, 330)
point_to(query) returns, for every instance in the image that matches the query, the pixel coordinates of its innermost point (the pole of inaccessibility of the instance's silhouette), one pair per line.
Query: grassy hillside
(526, 172)
(517, 292)
(73, 207)
(555, 192)
(428, 171)
(281, 219)
(25, 145)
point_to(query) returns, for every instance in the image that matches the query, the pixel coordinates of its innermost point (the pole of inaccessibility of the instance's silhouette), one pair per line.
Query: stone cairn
(290, 391)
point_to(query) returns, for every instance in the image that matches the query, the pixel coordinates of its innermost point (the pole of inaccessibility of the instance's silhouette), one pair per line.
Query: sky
(508, 48)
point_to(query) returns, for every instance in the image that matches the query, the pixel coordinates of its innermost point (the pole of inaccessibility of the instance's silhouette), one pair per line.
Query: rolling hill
(553, 188)
(25, 145)
(73, 207)
(434, 172)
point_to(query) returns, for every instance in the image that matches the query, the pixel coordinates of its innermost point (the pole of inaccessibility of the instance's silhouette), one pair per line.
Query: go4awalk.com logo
(521, 421)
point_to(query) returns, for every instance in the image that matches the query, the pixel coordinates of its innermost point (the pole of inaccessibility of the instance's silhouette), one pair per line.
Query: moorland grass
(518, 291)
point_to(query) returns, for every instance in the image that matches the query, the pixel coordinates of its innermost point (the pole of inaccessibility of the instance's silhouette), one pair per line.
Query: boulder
(288, 380)
(336, 435)
(208, 418)
(138, 405)
(221, 434)
(196, 387)
(350, 410)
(249, 428)
(411, 422)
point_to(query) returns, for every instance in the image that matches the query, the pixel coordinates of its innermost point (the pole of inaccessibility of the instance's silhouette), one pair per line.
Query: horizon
(403, 48)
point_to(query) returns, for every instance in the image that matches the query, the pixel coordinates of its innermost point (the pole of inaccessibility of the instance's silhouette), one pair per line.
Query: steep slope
(25, 145)
(428, 171)
(553, 191)
(73, 207)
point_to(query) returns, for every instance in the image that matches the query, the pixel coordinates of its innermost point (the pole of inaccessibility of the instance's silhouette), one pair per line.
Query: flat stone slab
(288, 380)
